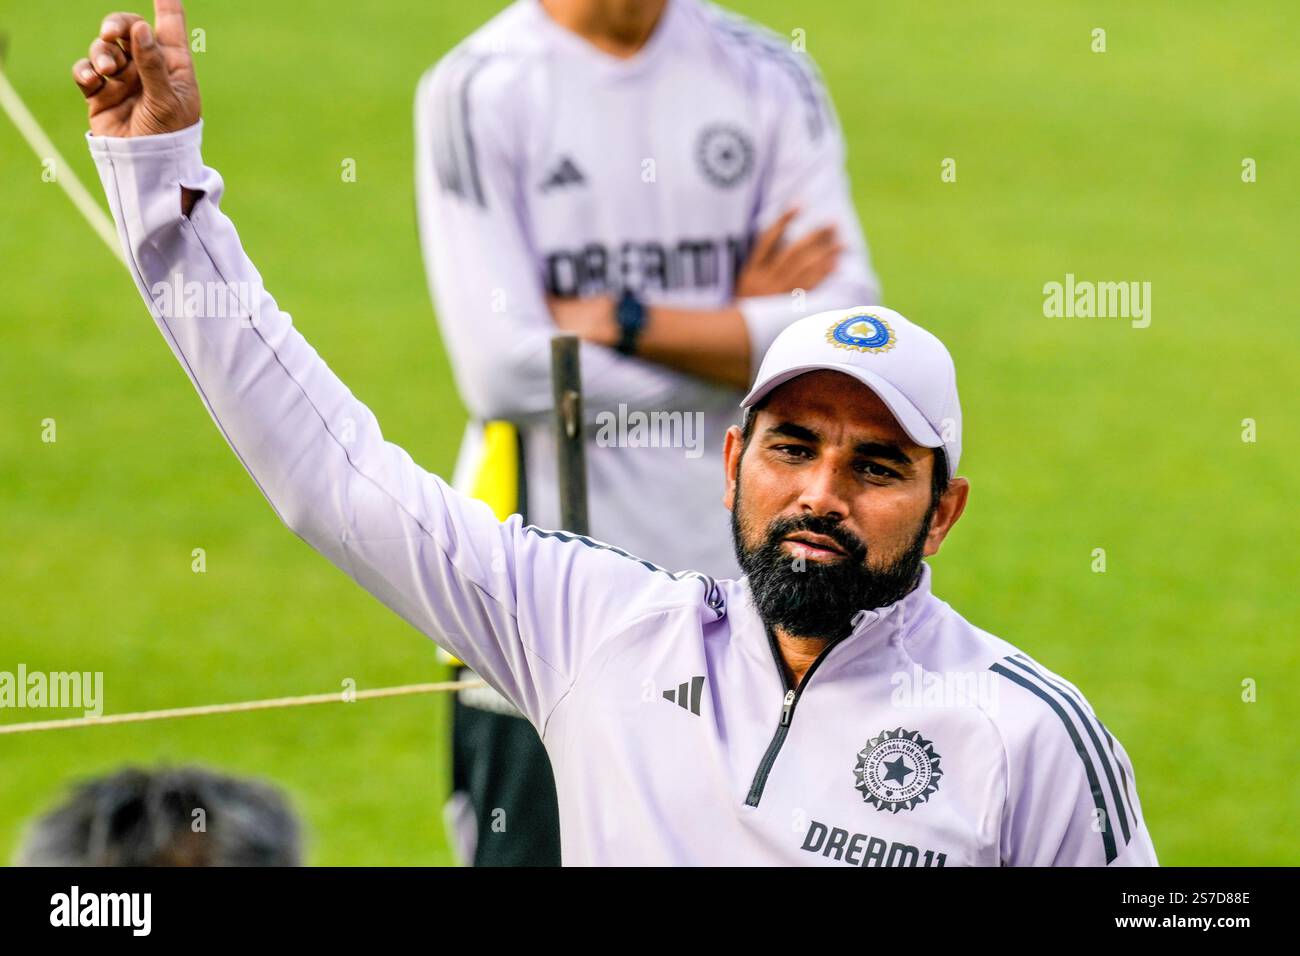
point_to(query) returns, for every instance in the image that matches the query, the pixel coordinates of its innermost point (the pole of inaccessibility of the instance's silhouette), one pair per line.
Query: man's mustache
(849, 543)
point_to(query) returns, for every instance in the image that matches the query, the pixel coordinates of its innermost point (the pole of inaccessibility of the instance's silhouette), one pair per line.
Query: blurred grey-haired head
(185, 816)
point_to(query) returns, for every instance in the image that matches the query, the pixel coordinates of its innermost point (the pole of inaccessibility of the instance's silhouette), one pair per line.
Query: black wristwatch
(631, 316)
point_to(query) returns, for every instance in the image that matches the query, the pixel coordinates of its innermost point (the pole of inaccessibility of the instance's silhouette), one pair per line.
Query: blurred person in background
(187, 816)
(666, 180)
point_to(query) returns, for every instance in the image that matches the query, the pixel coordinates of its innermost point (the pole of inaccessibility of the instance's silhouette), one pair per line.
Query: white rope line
(63, 174)
(338, 697)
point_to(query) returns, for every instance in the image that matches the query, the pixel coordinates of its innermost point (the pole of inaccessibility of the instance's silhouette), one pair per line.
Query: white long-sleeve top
(545, 166)
(918, 740)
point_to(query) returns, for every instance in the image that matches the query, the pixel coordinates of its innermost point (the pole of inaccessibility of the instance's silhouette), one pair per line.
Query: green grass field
(1080, 433)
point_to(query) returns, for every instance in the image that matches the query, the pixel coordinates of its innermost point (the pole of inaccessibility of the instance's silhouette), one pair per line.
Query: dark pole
(566, 387)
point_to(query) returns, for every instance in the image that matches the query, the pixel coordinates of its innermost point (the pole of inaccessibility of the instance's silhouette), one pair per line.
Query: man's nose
(825, 490)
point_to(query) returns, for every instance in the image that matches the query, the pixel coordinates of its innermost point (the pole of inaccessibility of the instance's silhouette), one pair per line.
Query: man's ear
(732, 449)
(950, 507)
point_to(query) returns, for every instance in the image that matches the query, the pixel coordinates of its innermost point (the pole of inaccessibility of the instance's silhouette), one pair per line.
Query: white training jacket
(919, 740)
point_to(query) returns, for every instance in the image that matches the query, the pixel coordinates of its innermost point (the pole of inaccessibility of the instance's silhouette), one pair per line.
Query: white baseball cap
(906, 366)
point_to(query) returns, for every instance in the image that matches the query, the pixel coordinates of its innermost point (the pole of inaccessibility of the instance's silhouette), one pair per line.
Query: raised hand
(139, 80)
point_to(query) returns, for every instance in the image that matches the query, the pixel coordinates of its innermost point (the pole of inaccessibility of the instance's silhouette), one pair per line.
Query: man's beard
(821, 599)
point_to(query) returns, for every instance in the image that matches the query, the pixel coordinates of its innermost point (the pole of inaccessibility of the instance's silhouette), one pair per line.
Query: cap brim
(907, 415)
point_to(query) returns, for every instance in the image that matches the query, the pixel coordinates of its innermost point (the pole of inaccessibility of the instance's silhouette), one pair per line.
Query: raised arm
(523, 608)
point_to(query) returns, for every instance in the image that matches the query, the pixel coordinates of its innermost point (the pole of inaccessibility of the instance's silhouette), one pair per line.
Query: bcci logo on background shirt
(897, 770)
(725, 153)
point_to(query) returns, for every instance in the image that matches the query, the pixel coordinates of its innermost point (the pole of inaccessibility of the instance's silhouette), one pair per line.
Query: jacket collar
(901, 616)
(875, 626)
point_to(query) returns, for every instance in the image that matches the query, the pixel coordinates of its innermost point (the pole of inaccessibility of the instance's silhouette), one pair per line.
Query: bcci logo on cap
(897, 770)
(863, 332)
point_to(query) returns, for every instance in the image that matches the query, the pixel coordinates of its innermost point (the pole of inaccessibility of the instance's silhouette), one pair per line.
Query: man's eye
(794, 451)
(876, 470)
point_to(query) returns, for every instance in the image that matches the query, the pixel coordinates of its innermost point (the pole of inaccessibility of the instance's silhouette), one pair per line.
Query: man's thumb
(149, 60)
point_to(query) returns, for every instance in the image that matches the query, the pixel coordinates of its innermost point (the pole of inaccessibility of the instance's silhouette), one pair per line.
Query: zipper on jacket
(787, 715)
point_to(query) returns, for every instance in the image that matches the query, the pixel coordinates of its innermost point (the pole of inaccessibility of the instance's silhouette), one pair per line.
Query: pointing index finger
(169, 22)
